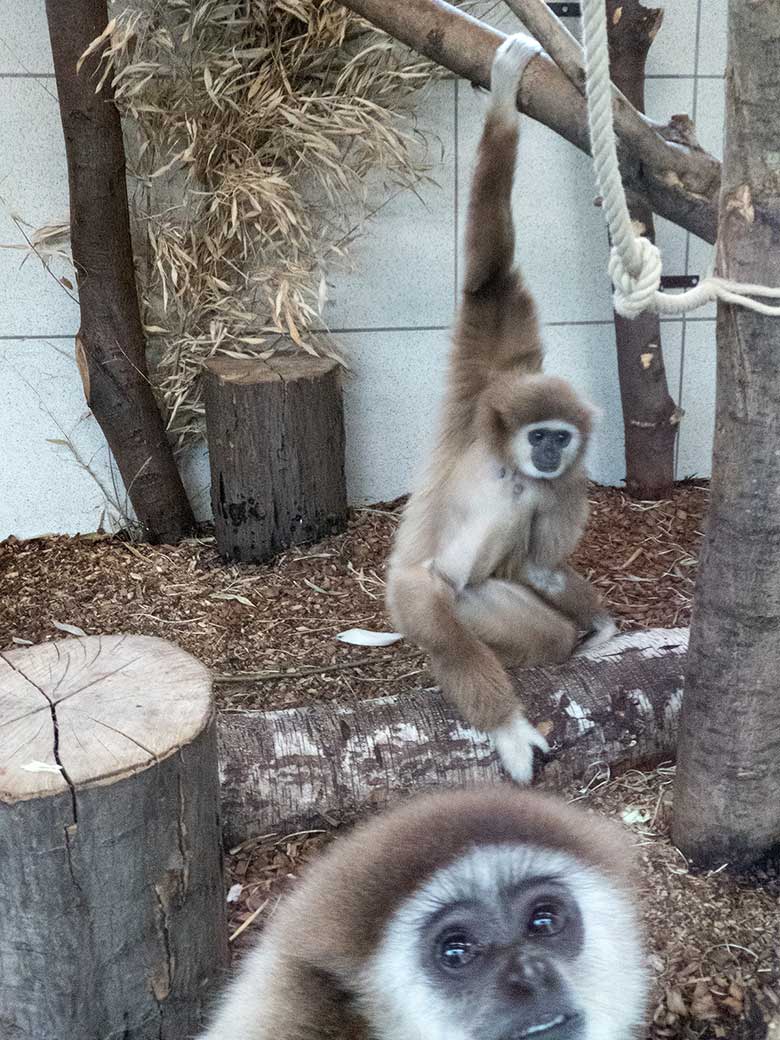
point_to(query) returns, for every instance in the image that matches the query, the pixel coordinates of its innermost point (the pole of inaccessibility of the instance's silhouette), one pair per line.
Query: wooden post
(612, 708)
(276, 448)
(112, 920)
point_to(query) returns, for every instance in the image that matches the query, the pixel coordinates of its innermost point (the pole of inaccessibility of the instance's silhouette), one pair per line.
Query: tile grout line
(684, 329)
(584, 323)
(456, 185)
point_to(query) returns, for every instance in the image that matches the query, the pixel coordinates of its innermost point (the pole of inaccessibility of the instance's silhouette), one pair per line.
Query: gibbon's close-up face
(515, 943)
(545, 450)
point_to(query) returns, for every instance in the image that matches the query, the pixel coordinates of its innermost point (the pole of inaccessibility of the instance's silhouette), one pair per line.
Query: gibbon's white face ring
(555, 441)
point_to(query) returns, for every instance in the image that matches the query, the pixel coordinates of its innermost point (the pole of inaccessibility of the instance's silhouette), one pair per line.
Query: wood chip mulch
(278, 621)
(714, 939)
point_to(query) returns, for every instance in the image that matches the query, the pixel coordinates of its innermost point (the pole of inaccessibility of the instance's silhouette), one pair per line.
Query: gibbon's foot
(545, 580)
(604, 628)
(509, 65)
(515, 742)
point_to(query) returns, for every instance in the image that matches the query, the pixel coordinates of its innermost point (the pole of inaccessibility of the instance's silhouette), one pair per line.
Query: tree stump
(609, 709)
(276, 449)
(112, 920)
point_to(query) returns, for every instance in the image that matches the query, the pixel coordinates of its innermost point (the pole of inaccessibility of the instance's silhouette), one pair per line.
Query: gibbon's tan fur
(478, 574)
(342, 957)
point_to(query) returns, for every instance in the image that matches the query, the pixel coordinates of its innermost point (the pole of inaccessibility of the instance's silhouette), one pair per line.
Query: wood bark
(680, 180)
(727, 794)
(650, 416)
(276, 450)
(285, 770)
(113, 921)
(110, 346)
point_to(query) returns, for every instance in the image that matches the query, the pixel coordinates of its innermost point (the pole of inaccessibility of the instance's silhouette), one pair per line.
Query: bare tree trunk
(727, 795)
(110, 346)
(680, 180)
(614, 708)
(650, 416)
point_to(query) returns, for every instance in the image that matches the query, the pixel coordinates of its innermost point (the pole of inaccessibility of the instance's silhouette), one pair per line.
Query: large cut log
(612, 708)
(276, 449)
(112, 921)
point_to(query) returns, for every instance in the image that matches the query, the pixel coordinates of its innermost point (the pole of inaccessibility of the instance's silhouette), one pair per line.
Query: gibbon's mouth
(549, 1029)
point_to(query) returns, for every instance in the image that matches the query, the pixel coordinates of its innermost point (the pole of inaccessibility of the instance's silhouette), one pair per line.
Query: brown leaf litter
(276, 623)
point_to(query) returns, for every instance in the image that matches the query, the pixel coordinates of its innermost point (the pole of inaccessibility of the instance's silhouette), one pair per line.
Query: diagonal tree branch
(679, 179)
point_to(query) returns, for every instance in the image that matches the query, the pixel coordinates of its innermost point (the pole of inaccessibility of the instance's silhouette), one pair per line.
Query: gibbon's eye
(456, 950)
(546, 919)
(563, 437)
(536, 436)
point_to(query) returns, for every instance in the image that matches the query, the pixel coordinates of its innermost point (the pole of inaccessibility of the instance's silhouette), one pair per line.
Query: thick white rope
(635, 263)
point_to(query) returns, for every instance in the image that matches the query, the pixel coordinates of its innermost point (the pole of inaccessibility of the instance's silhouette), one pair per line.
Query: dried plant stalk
(251, 126)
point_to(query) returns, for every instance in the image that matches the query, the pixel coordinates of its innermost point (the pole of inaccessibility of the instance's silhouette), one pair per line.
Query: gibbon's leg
(521, 628)
(567, 591)
(490, 236)
(423, 605)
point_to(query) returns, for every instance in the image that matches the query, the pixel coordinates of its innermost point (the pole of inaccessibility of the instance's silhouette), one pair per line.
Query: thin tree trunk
(650, 416)
(727, 794)
(110, 347)
(678, 178)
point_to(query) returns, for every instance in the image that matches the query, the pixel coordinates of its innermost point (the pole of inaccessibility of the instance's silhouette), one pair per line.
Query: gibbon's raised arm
(478, 574)
(497, 328)
(489, 914)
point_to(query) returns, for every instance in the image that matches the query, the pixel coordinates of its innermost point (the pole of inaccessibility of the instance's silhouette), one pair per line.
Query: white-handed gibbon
(478, 575)
(491, 914)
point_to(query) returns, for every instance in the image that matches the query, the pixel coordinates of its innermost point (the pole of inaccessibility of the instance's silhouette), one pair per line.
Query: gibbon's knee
(421, 605)
(520, 627)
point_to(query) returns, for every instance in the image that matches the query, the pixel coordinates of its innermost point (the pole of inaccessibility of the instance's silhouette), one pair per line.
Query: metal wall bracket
(565, 10)
(679, 281)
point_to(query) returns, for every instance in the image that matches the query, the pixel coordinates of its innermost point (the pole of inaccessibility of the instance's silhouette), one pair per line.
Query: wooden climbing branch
(680, 180)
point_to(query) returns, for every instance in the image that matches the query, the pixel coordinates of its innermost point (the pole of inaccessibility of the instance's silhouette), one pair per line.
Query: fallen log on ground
(611, 709)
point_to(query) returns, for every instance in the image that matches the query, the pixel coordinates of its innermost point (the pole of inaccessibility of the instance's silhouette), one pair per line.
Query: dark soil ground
(714, 939)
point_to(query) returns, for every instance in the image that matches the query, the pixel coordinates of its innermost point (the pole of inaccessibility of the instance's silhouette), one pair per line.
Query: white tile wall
(403, 267)
(393, 308)
(24, 38)
(33, 192)
(46, 486)
(712, 34)
(391, 398)
(694, 454)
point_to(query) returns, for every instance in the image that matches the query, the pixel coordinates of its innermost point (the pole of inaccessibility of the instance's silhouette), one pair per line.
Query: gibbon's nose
(548, 458)
(529, 976)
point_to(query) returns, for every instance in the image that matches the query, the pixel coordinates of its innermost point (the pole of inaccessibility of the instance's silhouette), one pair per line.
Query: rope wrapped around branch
(635, 262)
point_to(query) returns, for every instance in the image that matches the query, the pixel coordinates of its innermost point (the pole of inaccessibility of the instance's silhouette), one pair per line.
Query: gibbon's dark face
(545, 450)
(510, 942)
(547, 447)
(508, 957)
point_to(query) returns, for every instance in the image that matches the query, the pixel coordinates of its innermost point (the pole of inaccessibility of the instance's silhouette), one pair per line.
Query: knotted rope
(635, 263)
